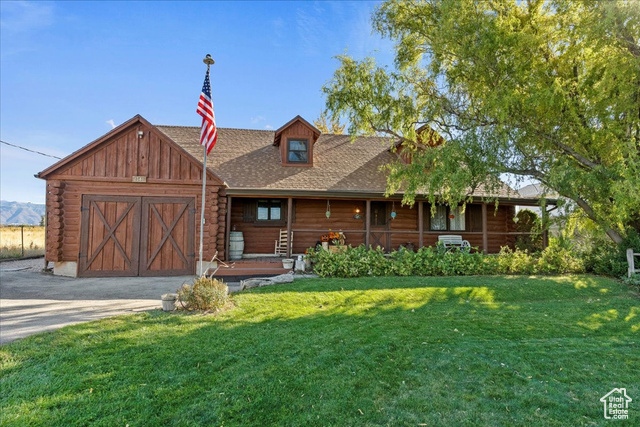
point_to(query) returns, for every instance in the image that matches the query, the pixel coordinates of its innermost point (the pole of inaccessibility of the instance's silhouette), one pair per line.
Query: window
(269, 210)
(298, 151)
(446, 218)
(439, 220)
(456, 219)
(378, 214)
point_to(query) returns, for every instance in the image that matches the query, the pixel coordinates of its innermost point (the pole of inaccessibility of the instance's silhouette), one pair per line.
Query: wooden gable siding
(125, 155)
(297, 130)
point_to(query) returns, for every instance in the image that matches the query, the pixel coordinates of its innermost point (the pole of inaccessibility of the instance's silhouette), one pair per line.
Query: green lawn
(373, 351)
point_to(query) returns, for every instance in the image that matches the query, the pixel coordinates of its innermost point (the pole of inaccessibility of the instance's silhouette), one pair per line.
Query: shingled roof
(247, 160)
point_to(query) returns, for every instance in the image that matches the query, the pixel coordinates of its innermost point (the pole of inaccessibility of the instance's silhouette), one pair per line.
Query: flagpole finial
(208, 60)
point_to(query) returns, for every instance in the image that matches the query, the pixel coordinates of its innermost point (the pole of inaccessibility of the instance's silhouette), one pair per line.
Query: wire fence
(21, 241)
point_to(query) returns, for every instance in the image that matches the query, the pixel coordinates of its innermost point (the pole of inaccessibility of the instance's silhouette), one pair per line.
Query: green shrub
(528, 222)
(204, 294)
(560, 257)
(516, 262)
(602, 256)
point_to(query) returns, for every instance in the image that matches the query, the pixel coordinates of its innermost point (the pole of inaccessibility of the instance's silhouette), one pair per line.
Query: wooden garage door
(136, 236)
(110, 236)
(167, 240)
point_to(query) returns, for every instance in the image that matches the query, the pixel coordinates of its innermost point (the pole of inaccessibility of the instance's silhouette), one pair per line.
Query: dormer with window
(296, 140)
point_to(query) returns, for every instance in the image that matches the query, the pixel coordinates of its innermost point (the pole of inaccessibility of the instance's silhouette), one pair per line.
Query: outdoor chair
(632, 269)
(281, 243)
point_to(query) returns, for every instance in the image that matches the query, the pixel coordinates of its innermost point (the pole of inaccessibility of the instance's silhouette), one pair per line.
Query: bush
(204, 294)
(560, 257)
(604, 257)
(528, 222)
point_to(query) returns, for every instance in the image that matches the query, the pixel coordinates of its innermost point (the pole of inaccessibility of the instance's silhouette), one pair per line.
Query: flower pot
(169, 302)
(287, 263)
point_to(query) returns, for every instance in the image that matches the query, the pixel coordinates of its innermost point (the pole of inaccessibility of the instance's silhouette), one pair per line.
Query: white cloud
(268, 127)
(21, 16)
(111, 123)
(257, 119)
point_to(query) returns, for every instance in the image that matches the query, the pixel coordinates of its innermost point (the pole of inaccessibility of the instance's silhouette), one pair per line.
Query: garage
(137, 236)
(128, 203)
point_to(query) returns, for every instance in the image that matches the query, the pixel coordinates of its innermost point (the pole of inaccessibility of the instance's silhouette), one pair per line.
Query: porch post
(420, 224)
(367, 223)
(485, 239)
(289, 215)
(227, 230)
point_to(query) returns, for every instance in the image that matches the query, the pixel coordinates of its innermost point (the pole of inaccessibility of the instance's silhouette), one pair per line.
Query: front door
(379, 226)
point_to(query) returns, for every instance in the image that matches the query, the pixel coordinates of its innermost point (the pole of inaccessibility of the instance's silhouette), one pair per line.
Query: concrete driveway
(32, 302)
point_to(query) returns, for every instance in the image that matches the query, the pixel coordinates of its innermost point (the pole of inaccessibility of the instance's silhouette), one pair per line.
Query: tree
(548, 89)
(324, 126)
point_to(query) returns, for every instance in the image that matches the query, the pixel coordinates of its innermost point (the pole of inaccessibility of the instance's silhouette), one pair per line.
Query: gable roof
(86, 150)
(298, 118)
(247, 160)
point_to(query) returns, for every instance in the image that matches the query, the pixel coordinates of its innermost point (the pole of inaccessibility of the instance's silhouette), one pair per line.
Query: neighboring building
(128, 203)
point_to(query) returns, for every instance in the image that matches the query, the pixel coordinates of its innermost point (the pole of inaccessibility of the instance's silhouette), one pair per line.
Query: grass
(12, 239)
(393, 351)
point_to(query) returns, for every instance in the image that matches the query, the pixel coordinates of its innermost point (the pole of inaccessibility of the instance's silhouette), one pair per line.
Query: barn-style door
(136, 236)
(110, 231)
(167, 241)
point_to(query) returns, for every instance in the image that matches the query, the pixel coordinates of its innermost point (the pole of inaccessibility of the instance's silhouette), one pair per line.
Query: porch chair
(453, 240)
(632, 268)
(281, 243)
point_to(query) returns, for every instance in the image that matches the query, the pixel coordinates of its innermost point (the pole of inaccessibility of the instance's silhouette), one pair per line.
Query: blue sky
(69, 70)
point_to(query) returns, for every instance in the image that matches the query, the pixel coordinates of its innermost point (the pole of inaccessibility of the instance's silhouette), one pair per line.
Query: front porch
(371, 221)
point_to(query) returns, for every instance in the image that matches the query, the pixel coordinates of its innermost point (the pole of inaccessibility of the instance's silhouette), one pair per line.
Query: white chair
(281, 243)
(453, 240)
(632, 269)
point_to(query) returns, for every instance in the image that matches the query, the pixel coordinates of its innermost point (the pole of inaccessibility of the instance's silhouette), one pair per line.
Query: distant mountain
(20, 213)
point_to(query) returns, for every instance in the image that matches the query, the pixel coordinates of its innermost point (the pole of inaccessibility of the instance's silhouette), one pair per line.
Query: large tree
(548, 89)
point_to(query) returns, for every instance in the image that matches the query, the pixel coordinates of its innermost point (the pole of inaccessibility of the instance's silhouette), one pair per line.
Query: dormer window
(296, 140)
(298, 151)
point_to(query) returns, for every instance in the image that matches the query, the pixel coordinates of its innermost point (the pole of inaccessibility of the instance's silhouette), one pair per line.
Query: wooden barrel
(236, 245)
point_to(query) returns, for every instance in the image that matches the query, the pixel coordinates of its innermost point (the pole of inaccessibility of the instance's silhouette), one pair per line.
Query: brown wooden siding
(126, 155)
(301, 131)
(66, 227)
(310, 222)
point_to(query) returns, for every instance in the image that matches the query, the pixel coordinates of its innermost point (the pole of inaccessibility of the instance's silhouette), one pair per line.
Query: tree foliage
(548, 89)
(329, 126)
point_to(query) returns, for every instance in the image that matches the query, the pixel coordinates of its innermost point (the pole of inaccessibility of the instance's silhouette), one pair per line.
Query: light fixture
(357, 215)
(140, 134)
(393, 211)
(328, 212)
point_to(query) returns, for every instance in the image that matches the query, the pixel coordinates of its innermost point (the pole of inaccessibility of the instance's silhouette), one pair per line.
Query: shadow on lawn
(362, 359)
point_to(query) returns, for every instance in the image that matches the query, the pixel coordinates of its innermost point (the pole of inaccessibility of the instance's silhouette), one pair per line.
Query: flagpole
(209, 61)
(204, 186)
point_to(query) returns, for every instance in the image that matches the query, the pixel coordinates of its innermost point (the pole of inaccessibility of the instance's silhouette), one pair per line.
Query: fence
(21, 241)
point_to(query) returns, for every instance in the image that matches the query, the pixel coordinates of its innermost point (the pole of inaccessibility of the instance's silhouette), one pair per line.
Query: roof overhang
(346, 194)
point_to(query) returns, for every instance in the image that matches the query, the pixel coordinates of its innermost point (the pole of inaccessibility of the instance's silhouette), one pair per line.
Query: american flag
(209, 132)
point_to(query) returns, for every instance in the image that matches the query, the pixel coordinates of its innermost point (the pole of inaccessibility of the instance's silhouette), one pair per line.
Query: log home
(127, 204)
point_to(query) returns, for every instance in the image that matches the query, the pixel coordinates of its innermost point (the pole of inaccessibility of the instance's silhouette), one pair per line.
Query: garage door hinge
(80, 255)
(192, 255)
(192, 211)
(82, 208)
